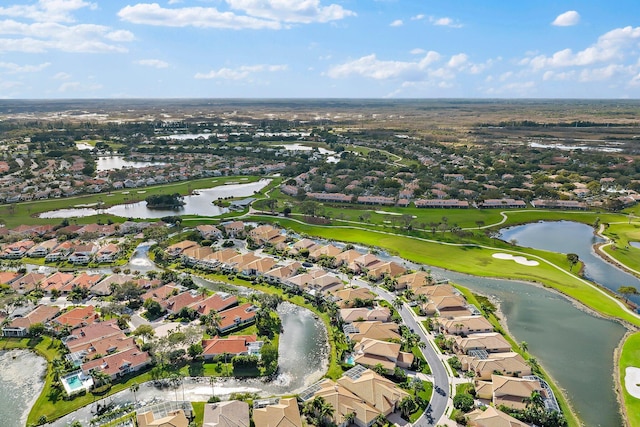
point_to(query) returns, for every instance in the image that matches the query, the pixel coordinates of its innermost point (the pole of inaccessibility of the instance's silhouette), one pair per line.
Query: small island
(164, 201)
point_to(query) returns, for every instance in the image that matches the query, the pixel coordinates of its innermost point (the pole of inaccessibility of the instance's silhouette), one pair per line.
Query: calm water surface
(573, 237)
(575, 347)
(196, 204)
(21, 374)
(106, 163)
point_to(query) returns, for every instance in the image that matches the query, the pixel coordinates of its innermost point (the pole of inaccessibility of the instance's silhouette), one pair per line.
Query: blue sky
(319, 49)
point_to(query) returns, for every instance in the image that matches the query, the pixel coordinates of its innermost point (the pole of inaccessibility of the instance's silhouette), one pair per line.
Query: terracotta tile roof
(283, 414)
(161, 293)
(375, 390)
(78, 316)
(234, 344)
(40, 314)
(233, 413)
(86, 334)
(114, 364)
(216, 302)
(233, 316)
(28, 282)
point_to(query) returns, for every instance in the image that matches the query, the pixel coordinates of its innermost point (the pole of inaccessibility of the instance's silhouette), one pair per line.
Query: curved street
(441, 392)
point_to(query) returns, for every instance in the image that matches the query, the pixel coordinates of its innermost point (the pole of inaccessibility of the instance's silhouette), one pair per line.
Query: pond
(106, 163)
(573, 237)
(573, 346)
(21, 374)
(303, 355)
(196, 204)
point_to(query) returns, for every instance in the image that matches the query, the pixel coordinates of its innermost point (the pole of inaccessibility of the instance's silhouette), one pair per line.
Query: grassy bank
(553, 270)
(26, 212)
(567, 410)
(630, 357)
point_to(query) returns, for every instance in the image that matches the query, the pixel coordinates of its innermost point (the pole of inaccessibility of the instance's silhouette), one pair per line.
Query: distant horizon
(330, 49)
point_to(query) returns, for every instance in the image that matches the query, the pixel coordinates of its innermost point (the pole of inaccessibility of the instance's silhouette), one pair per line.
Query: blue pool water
(73, 382)
(350, 360)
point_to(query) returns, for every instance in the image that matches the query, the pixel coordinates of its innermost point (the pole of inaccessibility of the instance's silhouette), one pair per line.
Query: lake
(21, 373)
(573, 237)
(195, 204)
(106, 163)
(573, 346)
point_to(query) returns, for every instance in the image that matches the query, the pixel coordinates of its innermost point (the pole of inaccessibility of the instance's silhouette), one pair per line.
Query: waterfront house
(233, 345)
(233, 413)
(19, 326)
(285, 413)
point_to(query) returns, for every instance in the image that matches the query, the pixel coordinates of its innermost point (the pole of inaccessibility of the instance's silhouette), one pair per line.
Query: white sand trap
(519, 259)
(632, 381)
(388, 213)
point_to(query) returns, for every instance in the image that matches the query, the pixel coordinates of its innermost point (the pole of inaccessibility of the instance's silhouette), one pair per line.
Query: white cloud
(42, 37)
(417, 17)
(397, 23)
(62, 76)
(291, 11)
(201, 17)
(567, 19)
(457, 61)
(611, 46)
(417, 51)
(240, 72)
(258, 14)
(445, 22)
(79, 87)
(370, 66)
(46, 10)
(12, 68)
(120, 36)
(155, 63)
(602, 73)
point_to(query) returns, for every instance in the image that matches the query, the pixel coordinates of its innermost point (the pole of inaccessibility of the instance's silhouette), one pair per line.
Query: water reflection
(573, 237)
(106, 163)
(575, 347)
(21, 381)
(197, 204)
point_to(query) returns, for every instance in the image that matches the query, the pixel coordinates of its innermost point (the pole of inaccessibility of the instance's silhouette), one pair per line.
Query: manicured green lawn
(476, 261)
(198, 411)
(630, 356)
(21, 213)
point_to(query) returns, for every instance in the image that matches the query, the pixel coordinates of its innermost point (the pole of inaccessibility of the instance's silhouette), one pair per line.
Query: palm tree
(100, 377)
(409, 294)
(134, 389)
(458, 327)
(381, 420)
(397, 303)
(379, 369)
(349, 417)
(524, 346)
(407, 406)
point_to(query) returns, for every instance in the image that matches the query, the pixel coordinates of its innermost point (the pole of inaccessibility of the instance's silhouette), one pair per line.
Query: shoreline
(618, 380)
(502, 321)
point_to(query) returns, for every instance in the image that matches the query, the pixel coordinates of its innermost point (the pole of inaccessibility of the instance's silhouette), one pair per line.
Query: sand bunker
(519, 259)
(632, 381)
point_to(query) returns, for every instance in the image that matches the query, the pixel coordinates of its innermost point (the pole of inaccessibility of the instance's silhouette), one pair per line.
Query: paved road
(440, 396)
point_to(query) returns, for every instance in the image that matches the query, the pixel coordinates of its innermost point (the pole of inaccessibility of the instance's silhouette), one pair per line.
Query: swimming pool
(75, 382)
